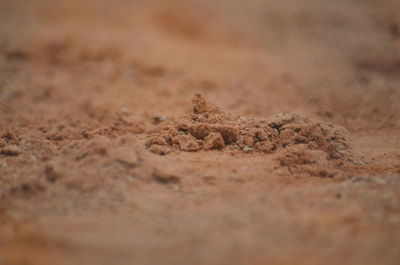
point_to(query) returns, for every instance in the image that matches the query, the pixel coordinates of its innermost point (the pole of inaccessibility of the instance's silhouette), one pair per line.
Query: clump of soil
(299, 160)
(209, 128)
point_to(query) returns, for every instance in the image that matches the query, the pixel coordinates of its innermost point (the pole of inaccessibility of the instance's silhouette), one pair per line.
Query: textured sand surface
(199, 132)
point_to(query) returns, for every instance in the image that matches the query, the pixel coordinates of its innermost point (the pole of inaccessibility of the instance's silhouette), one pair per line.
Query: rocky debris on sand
(209, 128)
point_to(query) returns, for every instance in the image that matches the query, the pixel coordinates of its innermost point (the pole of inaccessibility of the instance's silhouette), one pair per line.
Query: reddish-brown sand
(199, 132)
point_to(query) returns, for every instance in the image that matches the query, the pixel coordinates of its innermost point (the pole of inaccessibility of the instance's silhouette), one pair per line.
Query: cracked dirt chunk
(210, 128)
(214, 141)
(186, 142)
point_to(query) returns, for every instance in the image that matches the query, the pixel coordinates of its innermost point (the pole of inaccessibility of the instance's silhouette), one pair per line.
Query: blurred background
(316, 56)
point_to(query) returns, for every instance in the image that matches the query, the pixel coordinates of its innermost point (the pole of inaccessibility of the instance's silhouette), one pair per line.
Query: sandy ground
(85, 85)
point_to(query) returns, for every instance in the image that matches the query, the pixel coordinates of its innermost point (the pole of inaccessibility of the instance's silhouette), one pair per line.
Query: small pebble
(247, 149)
(158, 119)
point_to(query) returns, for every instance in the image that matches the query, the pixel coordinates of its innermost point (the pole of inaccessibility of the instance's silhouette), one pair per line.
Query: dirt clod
(10, 150)
(300, 160)
(125, 156)
(214, 141)
(210, 128)
(165, 177)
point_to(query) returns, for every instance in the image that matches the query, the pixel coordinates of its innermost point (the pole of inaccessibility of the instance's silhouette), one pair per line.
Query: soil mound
(209, 128)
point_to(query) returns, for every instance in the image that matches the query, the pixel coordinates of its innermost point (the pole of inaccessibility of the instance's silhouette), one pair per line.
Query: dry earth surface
(199, 132)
